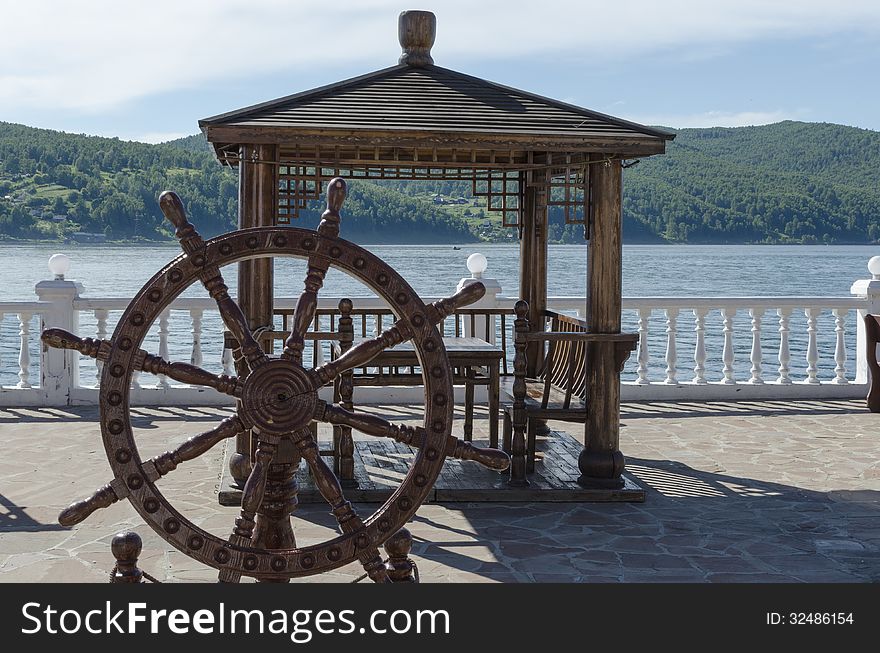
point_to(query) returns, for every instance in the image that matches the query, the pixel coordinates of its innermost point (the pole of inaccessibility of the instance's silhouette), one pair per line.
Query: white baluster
(162, 382)
(135, 379)
(24, 354)
(700, 347)
(812, 350)
(644, 316)
(101, 315)
(227, 360)
(757, 314)
(840, 347)
(196, 315)
(671, 354)
(727, 314)
(784, 351)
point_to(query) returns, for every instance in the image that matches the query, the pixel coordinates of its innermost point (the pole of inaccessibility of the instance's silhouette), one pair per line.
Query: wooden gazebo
(416, 120)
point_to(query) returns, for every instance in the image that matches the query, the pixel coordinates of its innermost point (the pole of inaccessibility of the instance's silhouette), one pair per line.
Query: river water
(648, 270)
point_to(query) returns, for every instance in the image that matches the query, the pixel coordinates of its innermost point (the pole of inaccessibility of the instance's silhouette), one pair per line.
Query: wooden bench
(558, 390)
(872, 339)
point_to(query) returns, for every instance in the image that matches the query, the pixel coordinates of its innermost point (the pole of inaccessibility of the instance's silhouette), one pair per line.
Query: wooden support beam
(257, 207)
(601, 462)
(533, 259)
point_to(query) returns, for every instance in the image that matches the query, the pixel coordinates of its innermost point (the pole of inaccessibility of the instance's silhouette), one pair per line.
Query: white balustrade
(24, 354)
(727, 314)
(812, 351)
(101, 315)
(756, 356)
(839, 346)
(803, 327)
(784, 356)
(715, 352)
(700, 346)
(671, 354)
(228, 362)
(196, 317)
(162, 381)
(644, 356)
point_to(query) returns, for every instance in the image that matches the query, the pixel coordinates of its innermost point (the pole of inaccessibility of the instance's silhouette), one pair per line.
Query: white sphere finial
(874, 267)
(477, 264)
(59, 265)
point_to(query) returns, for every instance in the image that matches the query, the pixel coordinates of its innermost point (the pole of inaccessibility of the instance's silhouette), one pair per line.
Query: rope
(415, 568)
(143, 573)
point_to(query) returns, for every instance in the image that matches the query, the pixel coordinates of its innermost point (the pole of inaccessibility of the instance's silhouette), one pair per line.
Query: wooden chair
(558, 390)
(872, 338)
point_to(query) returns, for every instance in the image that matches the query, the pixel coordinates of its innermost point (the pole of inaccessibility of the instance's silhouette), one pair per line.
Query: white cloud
(92, 55)
(719, 118)
(158, 137)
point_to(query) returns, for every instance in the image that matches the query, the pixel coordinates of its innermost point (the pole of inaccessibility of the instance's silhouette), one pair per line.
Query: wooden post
(400, 566)
(126, 548)
(533, 266)
(343, 443)
(533, 258)
(601, 462)
(257, 207)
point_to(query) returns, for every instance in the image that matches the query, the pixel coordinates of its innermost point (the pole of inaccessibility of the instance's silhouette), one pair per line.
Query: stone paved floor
(754, 492)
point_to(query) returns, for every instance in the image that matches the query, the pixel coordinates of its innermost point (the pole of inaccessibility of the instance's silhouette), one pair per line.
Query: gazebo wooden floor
(381, 464)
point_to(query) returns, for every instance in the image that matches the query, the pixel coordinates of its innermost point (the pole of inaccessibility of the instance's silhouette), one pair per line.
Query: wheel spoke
(361, 354)
(317, 270)
(211, 278)
(153, 469)
(251, 498)
(441, 309)
(349, 521)
(254, 489)
(190, 374)
(102, 498)
(399, 332)
(235, 321)
(305, 309)
(194, 447)
(413, 436)
(144, 362)
(328, 485)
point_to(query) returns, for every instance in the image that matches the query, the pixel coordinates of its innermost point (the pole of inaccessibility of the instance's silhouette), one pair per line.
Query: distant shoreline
(174, 244)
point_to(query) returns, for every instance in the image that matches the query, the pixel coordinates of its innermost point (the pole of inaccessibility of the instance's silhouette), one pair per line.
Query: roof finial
(416, 31)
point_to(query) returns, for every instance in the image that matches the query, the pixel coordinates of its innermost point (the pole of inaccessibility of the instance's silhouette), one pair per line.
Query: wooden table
(467, 356)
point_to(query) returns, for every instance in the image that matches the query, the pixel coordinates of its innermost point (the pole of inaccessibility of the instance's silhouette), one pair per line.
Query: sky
(149, 71)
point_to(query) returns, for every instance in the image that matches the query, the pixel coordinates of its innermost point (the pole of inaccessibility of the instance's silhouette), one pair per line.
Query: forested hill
(788, 182)
(53, 184)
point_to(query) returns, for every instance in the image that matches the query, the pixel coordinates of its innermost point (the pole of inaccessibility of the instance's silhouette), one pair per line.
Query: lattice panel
(300, 184)
(568, 189)
(297, 185)
(503, 190)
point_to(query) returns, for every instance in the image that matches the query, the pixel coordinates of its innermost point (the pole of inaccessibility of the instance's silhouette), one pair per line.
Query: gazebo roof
(417, 103)
(405, 98)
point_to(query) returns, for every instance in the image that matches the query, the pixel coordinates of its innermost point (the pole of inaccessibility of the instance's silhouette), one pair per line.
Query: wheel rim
(158, 293)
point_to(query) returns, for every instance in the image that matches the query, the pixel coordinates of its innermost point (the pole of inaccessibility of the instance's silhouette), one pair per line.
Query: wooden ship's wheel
(277, 399)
